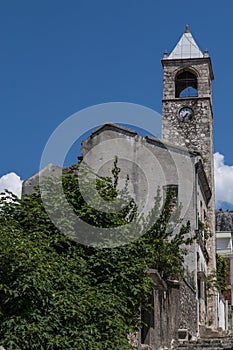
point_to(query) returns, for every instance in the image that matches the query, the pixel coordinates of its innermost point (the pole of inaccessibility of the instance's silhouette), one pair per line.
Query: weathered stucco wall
(150, 164)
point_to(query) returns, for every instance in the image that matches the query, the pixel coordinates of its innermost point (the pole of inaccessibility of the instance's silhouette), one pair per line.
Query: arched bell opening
(186, 84)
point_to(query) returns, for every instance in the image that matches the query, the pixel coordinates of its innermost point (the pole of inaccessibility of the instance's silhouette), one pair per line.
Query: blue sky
(58, 57)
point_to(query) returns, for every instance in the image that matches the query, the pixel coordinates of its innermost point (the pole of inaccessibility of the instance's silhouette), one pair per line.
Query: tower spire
(187, 29)
(186, 47)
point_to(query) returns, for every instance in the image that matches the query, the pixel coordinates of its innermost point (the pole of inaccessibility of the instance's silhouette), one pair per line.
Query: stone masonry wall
(188, 315)
(195, 134)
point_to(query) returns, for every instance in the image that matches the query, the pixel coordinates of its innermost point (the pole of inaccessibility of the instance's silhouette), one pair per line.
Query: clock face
(186, 113)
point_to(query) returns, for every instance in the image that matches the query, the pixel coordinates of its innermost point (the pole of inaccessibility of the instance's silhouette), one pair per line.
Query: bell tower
(187, 118)
(187, 99)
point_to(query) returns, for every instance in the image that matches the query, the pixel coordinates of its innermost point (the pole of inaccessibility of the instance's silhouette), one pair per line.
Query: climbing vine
(222, 270)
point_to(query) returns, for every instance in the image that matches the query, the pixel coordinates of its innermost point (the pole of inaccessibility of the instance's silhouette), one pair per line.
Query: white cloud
(223, 180)
(11, 182)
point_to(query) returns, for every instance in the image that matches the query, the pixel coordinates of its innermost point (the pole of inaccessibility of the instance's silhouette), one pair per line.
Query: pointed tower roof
(186, 47)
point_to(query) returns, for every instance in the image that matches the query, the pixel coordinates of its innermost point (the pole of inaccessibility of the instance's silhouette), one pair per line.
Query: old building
(188, 121)
(183, 171)
(183, 161)
(185, 155)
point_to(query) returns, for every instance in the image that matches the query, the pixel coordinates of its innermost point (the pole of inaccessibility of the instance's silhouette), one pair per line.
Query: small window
(201, 209)
(174, 189)
(204, 215)
(186, 85)
(199, 289)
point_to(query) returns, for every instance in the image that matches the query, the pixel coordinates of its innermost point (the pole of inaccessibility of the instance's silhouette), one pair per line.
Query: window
(204, 215)
(201, 210)
(199, 289)
(186, 84)
(174, 189)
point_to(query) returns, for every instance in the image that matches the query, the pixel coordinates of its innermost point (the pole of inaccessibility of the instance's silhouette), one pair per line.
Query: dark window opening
(204, 214)
(186, 85)
(199, 289)
(201, 209)
(174, 190)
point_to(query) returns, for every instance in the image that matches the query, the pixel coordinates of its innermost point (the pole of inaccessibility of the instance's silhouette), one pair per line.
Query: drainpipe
(196, 198)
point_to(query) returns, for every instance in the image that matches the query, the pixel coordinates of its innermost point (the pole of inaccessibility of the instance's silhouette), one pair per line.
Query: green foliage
(204, 230)
(56, 293)
(222, 270)
(217, 280)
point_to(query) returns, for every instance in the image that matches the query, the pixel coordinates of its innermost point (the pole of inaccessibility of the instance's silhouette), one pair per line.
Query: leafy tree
(56, 293)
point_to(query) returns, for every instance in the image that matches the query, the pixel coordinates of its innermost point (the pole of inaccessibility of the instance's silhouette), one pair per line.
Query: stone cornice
(189, 62)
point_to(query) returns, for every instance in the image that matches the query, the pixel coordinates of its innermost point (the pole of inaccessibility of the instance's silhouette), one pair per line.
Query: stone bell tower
(188, 119)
